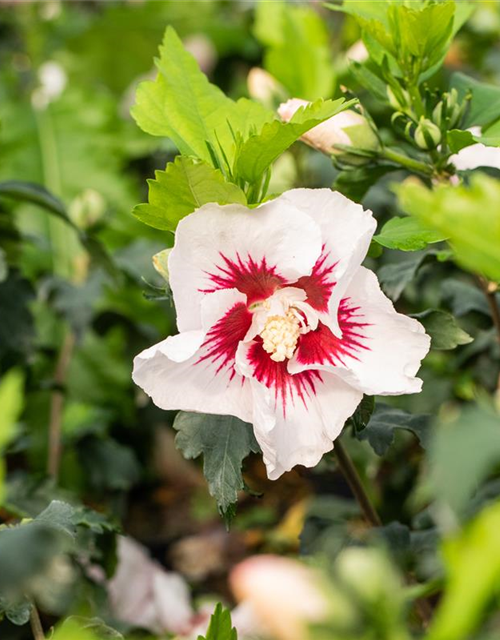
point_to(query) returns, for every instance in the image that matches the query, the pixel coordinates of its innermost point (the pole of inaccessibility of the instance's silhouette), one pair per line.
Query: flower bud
(160, 263)
(262, 86)
(399, 99)
(347, 128)
(87, 208)
(427, 135)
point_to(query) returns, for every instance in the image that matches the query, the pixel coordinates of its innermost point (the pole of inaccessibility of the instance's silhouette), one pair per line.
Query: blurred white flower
(143, 594)
(264, 87)
(357, 52)
(53, 80)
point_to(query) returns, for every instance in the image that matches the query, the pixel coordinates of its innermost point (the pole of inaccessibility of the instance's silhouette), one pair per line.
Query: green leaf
(485, 102)
(17, 612)
(36, 194)
(299, 54)
(380, 430)
(58, 515)
(394, 277)
(458, 139)
(262, 149)
(443, 329)
(184, 106)
(224, 442)
(11, 403)
(407, 234)
(472, 557)
(469, 215)
(220, 627)
(356, 182)
(462, 454)
(464, 298)
(361, 417)
(109, 464)
(186, 185)
(96, 626)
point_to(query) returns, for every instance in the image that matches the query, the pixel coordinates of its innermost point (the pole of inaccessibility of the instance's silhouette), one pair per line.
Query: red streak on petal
(319, 285)
(222, 340)
(322, 347)
(274, 375)
(257, 280)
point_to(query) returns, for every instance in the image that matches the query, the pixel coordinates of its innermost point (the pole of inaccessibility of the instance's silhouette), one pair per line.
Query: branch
(57, 406)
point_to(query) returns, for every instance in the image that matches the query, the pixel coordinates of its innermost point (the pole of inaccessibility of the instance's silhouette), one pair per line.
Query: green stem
(405, 161)
(351, 475)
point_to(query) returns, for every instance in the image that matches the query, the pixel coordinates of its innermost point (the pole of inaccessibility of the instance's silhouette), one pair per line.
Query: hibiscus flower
(279, 323)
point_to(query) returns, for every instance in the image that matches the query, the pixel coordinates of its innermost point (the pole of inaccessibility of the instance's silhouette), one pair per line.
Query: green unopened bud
(437, 114)
(87, 208)
(160, 263)
(427, 135)
(399, 98)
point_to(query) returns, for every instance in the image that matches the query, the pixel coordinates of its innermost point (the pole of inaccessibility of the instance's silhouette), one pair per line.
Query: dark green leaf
(16, 325)
(443, 329)
(224, 442)
(396, 276)
(18, 612)
(485, 102)
(464, 297)
(361, 417)
(356, 182)
(380, 430)
(108, 464)
(36, 194)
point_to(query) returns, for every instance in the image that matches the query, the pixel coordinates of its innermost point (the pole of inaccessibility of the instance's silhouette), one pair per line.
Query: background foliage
(84, 455)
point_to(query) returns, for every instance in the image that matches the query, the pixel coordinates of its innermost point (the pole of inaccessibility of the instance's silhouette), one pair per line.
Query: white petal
(346, 230)
(306, 431)
(232, 246)
(296, 426)
(182, 373)
(477, 155)
(386, 356)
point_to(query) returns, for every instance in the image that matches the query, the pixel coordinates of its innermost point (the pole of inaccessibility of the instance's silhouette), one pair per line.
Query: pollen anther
(280, 336)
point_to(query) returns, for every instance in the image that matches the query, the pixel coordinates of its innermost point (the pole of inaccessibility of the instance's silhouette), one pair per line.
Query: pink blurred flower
(285, 595)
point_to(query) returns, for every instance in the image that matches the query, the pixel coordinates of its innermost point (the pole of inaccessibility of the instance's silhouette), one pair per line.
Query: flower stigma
(280, 336)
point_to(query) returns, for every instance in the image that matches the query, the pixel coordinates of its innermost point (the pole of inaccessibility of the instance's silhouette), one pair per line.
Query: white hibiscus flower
(476, 155)
(279, 323)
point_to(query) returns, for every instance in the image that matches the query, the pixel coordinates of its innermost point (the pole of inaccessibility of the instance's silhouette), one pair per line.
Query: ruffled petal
(194, 371)
(295, 418)
(346, 230)
(252, 250)
(380, 350)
